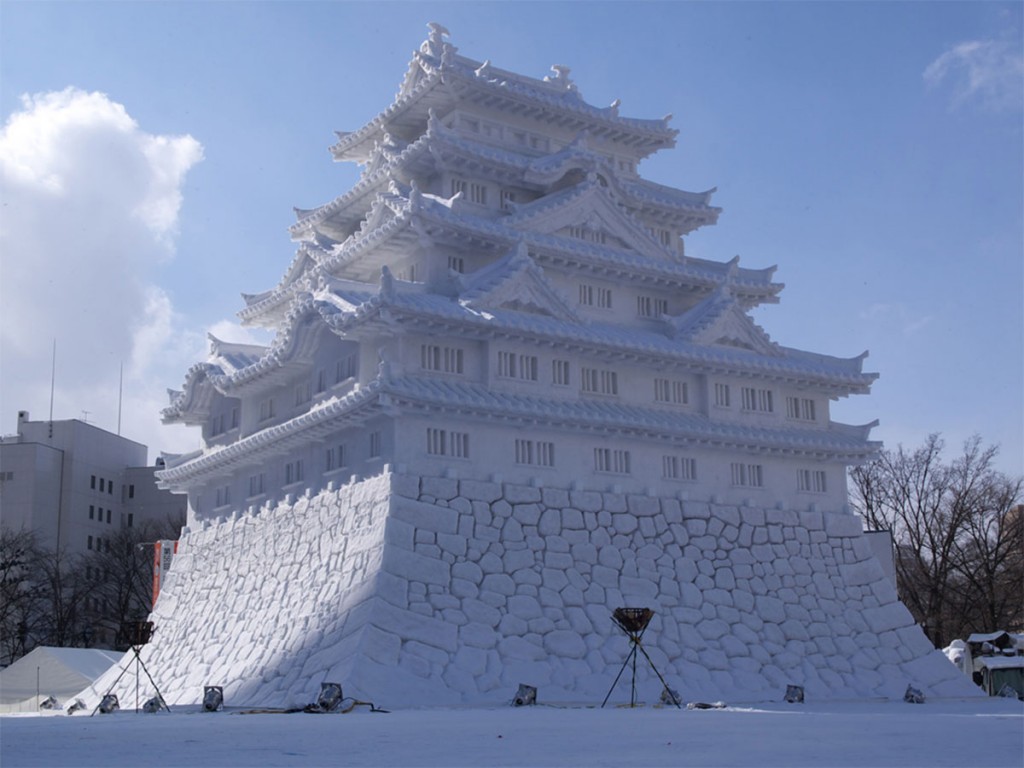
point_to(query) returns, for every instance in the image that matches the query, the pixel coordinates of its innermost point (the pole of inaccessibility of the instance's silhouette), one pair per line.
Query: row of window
(96, 513)
(601, 298)
(512, 365)
(105, 486)
(98, 544)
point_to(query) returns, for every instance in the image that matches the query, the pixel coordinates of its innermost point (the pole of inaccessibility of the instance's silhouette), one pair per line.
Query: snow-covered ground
(979, 732)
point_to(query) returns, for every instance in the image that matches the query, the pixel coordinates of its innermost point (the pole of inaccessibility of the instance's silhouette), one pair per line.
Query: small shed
(998, 672)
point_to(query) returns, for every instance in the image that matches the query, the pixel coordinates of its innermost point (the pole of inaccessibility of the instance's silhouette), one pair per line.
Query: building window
(293, 472)
(92, 483)
(442, 442)
(267, 409)
(757, 400)
(110, 487)
(456, 264)
(460, 185)
(678, 468)
(595, 296)
(108, 517)
(811, 480)
(671, 391)
(747, 475)
(539, 453)
(257, 484)
(374, 445)
(223, 495)
(131, 519)
(345, 368)
(102, 485)
(722, 395)
(131, 490)
(321, 380)
(91, 511)
(514, 366)
(303, 393)
(336, 457)
(599, 381)
(666, 237)
(436, 441)
(801, 408)
(217, 425)
(651, 306)
(90, 542)
(560, 373)
(478, 193)
(612, 460)
(434, 357)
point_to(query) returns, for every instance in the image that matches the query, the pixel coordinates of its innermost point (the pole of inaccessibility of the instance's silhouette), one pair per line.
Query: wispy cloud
(896, 317)
(90, 207)
(989, 73)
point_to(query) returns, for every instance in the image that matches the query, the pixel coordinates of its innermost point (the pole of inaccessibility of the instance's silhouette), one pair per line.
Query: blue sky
(152, 153)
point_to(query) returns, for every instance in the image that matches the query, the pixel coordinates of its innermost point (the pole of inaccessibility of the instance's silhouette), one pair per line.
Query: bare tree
(124, 585)
(20, 595)
(957, 542)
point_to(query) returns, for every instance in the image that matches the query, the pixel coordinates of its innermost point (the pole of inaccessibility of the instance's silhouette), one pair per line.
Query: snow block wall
(416, 591)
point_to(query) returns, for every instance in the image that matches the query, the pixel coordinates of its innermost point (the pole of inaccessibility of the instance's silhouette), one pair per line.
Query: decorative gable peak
(515, 283)
(719, 320)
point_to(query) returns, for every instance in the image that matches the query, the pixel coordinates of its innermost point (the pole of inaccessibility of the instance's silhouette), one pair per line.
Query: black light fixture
(213, 697)
(526, 696)
(634, 621)
(913, 695)
(330, 697)
(108, 704)
(153, 705)
(794, 694)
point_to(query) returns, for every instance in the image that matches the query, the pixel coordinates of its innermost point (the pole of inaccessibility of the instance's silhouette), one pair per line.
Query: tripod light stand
(137, 633)
(634, 621)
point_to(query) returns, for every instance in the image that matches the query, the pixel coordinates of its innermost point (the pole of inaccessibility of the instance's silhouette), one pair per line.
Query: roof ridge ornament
(561, 77)
(435, 42)
(387, 284)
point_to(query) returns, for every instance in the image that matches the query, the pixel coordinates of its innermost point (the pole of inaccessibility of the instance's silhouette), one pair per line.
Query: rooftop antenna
(85, 416)
(120, 396)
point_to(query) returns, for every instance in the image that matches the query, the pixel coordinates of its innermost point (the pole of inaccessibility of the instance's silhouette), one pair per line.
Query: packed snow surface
(960, 733)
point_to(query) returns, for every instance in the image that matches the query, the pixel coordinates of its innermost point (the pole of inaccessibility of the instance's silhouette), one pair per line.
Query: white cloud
(989, 72)
(90, 207)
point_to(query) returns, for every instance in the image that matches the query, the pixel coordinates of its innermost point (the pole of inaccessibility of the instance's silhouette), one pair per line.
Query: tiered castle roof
(340, 276)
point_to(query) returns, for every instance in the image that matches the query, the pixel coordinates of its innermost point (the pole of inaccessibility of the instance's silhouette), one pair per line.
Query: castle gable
(588, 212)
(516, 283)
(720, 321)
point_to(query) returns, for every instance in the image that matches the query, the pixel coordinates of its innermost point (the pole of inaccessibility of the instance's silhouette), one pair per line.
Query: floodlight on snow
(794, 694)
(153, 705)
(213, 697)
(137, 633)
(526, 696)
(108, 704)
(330, 697)
(49, 703)
(77, 705)
(668, 696)
(913, 696)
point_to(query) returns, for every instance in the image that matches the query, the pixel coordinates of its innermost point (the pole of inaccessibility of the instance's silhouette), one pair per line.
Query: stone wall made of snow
(414, 590)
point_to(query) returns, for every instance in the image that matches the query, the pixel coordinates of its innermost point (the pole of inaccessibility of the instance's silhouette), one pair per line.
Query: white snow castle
(501, 402)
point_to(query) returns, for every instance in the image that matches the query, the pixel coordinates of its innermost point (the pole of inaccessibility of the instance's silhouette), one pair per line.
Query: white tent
(58, 672)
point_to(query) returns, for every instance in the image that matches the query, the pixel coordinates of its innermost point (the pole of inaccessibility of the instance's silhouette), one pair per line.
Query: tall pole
(53, 375)
(120, 393)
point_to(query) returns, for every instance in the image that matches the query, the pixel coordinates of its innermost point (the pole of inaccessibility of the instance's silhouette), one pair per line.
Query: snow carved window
(560, 373)
(747, 475)
(722, 395)
(811, 480)
(612, 460)
(757, 400)
(538, 453)
(671, 391)
(678, 468)
(800, 408)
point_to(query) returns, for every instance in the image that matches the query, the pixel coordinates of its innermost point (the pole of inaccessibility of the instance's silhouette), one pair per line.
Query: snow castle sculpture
(501, 402)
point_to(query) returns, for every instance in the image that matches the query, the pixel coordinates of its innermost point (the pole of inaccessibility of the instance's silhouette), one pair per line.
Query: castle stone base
(417, 591)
